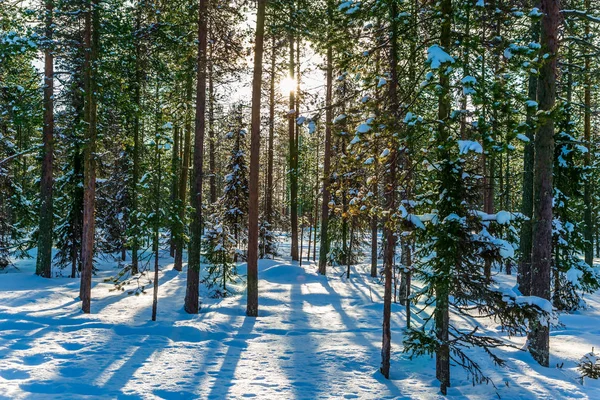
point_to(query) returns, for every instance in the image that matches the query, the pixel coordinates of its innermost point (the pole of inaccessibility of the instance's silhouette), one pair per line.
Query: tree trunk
(324, 248)
(252, 305)
(211, 132)
(193, 276)
(91, 39)
(175, 163)
(441, 314)
(156, 219)
(269, 191)
(137, 146)
(293, 146)
(588, 232)
(44, 255)
(541, 255)
(390, 194)
(524, 276)
(185, 167)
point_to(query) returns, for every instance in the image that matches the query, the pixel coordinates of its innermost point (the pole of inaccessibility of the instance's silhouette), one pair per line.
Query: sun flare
(287, 85)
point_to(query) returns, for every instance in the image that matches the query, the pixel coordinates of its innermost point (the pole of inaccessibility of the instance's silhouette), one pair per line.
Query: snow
(363, 128)
(523, 138)
(382, 81)
(531, 104)
(436, 56)
(503, 217)
(464, 146)
(315, 337)
(574, 275)
(339, 118)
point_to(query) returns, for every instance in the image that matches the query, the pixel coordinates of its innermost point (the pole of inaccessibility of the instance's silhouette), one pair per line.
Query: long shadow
(358, 333)
(304, 348)
(235, 348)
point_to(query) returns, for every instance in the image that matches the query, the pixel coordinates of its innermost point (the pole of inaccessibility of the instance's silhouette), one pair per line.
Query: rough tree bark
(185, 167)
(252, 305)
(91, 39)
(293, 147)
(587, 131)
(541, 255)
(390, 194)
(270, 189)
(193, 276)
(44, 255)
(441, 314)
(324, 248)
(524, 276)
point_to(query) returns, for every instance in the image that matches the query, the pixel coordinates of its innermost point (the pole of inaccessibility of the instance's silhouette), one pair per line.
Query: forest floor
(315, 337)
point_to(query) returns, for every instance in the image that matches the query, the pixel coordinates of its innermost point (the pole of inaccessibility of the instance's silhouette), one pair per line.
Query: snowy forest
(299, 199)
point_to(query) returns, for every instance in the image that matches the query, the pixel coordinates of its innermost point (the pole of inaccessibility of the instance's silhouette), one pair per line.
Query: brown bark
(91, 38)
(390, 194)
(441, 313)
(588, 231)
(44, 255)
(525, 245)
(192, 305)
(324, 249)
(252, 305)
(269, 191)
(185, 167)
(293, 147)
(541, 255)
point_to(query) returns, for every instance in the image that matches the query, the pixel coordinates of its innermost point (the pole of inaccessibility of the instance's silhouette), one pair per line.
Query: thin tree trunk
(253, 233)
(293, 146)
(588, 232)
(211, 132)
(324, 249)
(183, 178)
(156, 222)
(390, 194)
(526, 244)
(269, 191)
(44, 255)
(441, 314)
(91, 39)
(175, 163)
(541, 256)
(192, 305)
(137, 146)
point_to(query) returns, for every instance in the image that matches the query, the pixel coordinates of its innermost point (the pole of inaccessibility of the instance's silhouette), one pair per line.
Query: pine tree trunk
(524, 276)
(156, 220)
(137, 146)
(211, 133)
(541, 256)
(293, 146)
(588, 232)
(252, 305)
(324, 248)
(390, 194)
(44, 255)
(185, 167)
(193, 276)
(175, 163)
(91, 38)
(441, 314)
(269, 191)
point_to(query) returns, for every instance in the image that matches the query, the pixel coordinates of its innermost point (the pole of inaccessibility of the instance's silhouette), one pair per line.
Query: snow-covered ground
(315, 337)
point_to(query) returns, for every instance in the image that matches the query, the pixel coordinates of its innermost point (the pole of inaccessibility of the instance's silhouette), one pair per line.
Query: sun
(287, 85)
